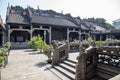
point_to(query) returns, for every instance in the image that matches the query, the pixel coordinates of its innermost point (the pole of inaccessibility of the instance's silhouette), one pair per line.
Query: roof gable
(18, 19)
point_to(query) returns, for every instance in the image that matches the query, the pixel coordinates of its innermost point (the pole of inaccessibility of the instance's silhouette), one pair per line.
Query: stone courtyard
(26, 64)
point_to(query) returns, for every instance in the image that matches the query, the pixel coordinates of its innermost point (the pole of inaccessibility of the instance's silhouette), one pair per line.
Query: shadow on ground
(34, 53)
(30, 50)
(41, 64)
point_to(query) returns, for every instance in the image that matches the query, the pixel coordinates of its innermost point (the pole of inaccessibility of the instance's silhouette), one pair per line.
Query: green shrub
(3, 51)
(90, 40)
(76, 41)
(7, 45)
(1, 61)
(37, 43)
(99, 43)
(47, 50)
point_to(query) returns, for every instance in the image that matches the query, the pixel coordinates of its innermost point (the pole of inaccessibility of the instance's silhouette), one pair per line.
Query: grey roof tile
(81, 23)
(53, 21)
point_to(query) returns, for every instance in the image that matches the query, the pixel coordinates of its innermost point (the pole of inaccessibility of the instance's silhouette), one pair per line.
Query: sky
(107, 9)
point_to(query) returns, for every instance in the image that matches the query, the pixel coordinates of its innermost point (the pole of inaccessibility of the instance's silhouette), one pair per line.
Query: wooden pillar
(68, 34)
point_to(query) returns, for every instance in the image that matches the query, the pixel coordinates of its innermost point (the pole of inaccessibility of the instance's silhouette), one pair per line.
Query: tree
(37, 43)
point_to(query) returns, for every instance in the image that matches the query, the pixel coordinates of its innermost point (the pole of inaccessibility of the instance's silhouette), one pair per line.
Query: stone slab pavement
(73, 56)
(26, 64)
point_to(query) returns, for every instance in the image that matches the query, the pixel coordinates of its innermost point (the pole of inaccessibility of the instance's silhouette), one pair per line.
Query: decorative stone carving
(60, 54)
(80, 66)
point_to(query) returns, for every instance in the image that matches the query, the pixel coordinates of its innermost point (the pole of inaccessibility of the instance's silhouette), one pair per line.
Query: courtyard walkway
(25, 64)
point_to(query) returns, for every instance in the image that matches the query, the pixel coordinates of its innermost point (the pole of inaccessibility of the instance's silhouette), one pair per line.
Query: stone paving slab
(73, 56)
(25, 64)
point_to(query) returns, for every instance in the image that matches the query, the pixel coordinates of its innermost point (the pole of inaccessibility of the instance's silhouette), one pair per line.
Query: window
(20, 39)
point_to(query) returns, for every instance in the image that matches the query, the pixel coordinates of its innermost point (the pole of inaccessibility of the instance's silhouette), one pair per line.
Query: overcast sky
(108, 9)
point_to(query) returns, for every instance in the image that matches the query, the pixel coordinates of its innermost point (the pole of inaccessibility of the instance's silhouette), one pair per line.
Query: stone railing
(108, 62)
(60, 54)
(74, 47)
(103, 62)
(112, 44)
(86, 63)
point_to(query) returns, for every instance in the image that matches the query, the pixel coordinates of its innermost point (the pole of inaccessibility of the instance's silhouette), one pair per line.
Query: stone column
(45, 35)
(85, 36)
(31, 30)
(3, 36)
(100, 37)
(94, 37)
(106, 37)
(50, 35)
(89, 34)
(8, 33)
(68, 34)
(79, 36)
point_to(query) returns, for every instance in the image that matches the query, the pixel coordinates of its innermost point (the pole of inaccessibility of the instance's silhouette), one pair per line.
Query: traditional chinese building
(23, 24)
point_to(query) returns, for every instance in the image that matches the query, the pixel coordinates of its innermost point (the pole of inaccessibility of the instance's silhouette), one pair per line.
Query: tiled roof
(18, 19)
(53, 21)
(98, 28)
(81, 23)
(84, 28)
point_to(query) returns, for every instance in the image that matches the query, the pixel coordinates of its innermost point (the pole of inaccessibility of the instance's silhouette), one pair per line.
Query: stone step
(68, 68)
(65, 72)
(70, 64)
(72, 61)
(97, 78)
(58, 74)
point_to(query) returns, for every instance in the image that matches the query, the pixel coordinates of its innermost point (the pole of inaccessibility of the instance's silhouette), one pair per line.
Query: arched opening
(84, 37)
(19, 36)
(43, 33)
(73, 36)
